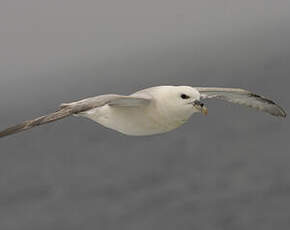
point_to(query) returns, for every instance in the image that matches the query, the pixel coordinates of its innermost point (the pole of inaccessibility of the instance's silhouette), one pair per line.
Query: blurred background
(229, 170)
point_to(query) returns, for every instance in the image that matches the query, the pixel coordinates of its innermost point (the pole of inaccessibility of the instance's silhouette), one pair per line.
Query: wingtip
(282, 113)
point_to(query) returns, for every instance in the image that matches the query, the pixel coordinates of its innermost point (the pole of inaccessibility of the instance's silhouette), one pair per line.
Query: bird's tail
(63, 112)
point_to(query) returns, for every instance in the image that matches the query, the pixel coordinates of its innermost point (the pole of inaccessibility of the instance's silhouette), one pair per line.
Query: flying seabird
(150, 111)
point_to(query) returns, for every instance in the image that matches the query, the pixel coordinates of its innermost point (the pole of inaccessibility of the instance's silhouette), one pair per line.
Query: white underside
(133, 121)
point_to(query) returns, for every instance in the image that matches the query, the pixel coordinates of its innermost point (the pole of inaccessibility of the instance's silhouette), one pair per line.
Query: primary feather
(243, 97)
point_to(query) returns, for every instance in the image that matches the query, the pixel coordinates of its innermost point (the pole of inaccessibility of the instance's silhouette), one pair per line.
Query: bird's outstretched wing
(67, 109)
(243, 97)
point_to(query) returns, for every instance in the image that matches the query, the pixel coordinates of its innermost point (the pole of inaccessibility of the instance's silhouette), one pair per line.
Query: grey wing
(243, 97)
(110, 99)
(130, 101)
(68, 109)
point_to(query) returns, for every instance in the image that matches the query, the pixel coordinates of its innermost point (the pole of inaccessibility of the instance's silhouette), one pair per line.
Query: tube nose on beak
(198, 103)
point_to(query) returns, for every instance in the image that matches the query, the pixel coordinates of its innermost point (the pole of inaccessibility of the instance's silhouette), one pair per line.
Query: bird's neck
(171, 117)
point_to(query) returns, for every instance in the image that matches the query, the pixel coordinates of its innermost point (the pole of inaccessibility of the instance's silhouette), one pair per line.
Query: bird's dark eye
(184, 96)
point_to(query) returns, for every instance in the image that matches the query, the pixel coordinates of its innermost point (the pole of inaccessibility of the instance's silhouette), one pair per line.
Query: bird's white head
(179, 101)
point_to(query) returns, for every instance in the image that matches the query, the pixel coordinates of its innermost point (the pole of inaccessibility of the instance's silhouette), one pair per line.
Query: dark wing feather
(62, 113)
(243, 97)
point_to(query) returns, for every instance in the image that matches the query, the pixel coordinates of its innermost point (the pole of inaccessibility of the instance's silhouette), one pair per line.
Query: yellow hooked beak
(200, 106)
(202, 109)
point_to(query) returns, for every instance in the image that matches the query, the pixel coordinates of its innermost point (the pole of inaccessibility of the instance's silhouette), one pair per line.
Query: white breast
(134, 121)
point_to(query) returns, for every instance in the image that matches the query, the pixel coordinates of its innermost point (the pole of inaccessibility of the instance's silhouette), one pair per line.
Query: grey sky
(229, 170)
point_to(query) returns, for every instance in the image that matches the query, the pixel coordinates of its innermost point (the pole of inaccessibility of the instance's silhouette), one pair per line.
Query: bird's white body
(165, 112)
(130, 121)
